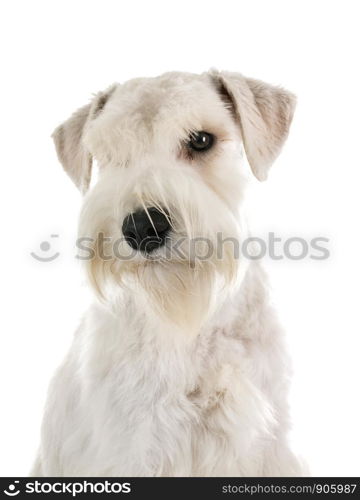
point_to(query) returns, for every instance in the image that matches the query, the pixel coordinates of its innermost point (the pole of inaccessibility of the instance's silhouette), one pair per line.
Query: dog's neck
(127, 341)
(231, 316)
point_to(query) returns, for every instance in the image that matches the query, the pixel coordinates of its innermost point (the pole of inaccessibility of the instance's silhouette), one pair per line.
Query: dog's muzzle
(146, 230)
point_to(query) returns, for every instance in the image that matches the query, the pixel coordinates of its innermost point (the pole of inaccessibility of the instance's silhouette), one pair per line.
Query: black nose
(146, 230)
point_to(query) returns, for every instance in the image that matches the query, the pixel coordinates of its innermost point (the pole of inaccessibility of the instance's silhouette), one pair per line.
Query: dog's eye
(201, 141)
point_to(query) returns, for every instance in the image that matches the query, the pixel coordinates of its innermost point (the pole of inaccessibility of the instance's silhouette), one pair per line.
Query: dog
(179, 366)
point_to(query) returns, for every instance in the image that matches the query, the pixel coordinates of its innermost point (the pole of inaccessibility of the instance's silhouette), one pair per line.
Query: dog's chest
(159, 411)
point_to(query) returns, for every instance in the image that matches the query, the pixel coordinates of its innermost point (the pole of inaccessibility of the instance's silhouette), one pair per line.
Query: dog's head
(163, 218)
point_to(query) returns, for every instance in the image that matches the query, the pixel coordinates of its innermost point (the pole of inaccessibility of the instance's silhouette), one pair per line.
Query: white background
(54, 56)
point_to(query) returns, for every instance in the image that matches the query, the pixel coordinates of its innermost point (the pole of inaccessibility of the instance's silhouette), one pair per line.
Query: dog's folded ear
(68, 139)
(264, 113)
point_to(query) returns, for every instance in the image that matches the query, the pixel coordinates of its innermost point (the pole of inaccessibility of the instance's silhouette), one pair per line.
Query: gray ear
(72, 154)
(264, 113)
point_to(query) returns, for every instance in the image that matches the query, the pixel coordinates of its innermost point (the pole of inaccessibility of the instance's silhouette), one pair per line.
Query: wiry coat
(179, 367)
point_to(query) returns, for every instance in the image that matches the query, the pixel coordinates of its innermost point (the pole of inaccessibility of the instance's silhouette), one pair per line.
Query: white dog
(179, 368)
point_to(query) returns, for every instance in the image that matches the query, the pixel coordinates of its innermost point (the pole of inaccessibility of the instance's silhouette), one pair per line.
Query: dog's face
(164, 213)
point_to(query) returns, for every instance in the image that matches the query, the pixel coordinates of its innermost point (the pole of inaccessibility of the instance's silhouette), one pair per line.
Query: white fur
(179, 367)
